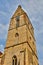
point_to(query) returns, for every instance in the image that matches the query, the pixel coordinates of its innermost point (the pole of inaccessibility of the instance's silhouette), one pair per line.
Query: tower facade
(20, 45)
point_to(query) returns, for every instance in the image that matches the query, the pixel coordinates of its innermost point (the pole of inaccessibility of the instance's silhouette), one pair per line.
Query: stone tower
(20, 45)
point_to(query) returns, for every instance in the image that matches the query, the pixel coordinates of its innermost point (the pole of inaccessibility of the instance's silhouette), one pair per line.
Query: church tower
(20, 45)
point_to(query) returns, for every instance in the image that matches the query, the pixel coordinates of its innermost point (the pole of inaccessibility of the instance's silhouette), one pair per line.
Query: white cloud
(40, 52)
(3, 31)
(1, 48)
(7, 4)
(3, 13)
(41, 62)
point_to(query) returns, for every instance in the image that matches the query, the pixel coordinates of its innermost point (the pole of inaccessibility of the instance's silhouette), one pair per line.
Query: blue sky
(34, 9)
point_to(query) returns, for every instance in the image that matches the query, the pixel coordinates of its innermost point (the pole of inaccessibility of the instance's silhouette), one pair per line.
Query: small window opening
(17, 21)
(16, 35)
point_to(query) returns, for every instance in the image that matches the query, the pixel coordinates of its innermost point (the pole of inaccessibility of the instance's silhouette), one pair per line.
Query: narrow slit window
(17, 21)
(14, 60)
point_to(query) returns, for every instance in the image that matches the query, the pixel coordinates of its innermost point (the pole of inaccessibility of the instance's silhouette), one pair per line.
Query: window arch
(17, 21)
(14, 60)
(16, 35)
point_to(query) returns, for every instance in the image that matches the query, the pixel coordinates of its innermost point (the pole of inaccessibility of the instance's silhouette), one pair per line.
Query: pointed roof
(19, 11)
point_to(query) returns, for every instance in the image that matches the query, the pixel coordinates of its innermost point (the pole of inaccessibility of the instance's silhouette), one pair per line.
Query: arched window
(16, 35)
(14, 60)
(17, 21)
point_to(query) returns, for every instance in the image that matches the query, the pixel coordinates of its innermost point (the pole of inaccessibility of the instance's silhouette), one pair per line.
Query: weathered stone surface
(20, 45)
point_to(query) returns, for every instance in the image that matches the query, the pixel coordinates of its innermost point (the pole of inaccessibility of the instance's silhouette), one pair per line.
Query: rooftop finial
(19, 6)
